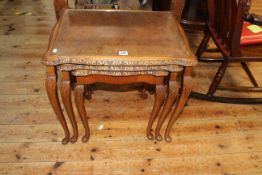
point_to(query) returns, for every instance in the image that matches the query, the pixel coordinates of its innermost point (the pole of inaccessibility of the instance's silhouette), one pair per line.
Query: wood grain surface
(208, 139)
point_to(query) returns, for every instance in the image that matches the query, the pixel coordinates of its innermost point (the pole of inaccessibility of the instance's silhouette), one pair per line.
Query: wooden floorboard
(208, 139)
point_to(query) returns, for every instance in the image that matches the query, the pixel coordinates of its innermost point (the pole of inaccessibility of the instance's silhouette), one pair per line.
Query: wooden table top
(116, 37)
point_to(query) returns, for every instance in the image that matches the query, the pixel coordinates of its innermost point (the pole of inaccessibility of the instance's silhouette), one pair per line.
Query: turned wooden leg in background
(218, 77)
(186, 90)
(88, 92)
(159, 98)
(51, 88)
(80, 104)
(143, 91)
(172, 94)
(65, 89)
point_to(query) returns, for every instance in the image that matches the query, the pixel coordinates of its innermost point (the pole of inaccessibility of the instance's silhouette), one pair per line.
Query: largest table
(117, 38)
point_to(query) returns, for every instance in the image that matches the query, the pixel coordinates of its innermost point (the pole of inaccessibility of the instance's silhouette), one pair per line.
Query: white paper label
(123, 53)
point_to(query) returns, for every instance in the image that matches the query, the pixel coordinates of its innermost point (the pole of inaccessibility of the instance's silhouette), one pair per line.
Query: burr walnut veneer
(118, 47)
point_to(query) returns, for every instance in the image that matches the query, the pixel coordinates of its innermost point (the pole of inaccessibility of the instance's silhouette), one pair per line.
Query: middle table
(121, 44)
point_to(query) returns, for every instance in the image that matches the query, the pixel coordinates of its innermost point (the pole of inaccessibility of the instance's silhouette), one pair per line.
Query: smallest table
(115, 41)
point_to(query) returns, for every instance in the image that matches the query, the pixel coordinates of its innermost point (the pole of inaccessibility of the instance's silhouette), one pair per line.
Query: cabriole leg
(80, 104)
(65, 89)
(159, 98)
(172, 94)
(186, 90)
(51, 88)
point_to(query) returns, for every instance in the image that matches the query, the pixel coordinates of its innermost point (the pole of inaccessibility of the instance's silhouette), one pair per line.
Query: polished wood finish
(209, 137)
(159, 98)
(91, 79)
(70, 44)
(173, 88)
(158, 47)
(79, 99)
(51, 89)
(186, 90)
(81, 81)
(65, 88)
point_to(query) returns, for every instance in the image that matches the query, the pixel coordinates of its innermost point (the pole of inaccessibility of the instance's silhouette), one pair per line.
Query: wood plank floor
(209, 138)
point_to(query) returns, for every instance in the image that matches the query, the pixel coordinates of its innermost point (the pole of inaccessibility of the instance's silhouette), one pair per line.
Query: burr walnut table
(115, 43)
